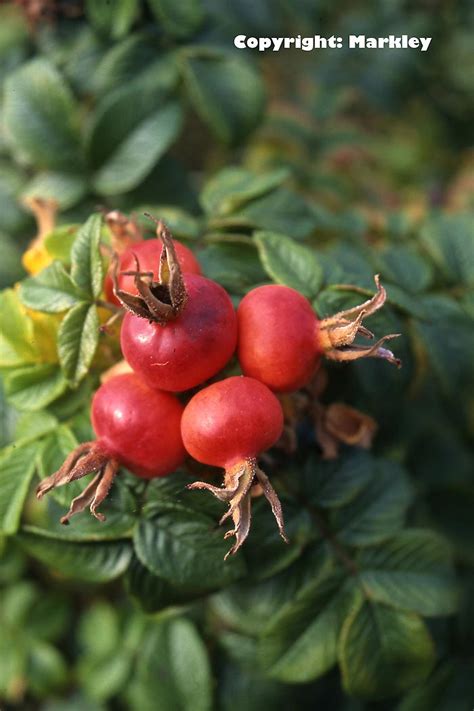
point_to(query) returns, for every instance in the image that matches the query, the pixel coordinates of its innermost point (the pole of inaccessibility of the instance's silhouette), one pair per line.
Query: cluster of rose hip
(180, 330)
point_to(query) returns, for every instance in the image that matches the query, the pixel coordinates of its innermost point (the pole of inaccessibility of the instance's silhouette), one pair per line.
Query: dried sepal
(87, 458)
(239, 481)
(349, 425)
(337, 333)
(338, 424)
(158, 301)
(355, 352)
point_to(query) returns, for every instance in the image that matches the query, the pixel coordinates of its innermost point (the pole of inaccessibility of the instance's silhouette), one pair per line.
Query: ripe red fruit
(191, 348)
(228, 424)
(281, 339)
(136, 427)
(148, 253)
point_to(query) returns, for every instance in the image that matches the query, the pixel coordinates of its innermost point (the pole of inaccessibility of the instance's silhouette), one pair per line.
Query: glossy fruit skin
(278, 337)
(189, 350)
(148, 253)
(138, 426)
(230, 421)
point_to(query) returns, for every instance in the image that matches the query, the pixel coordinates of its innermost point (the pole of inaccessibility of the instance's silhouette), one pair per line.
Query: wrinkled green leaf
(185, 549)
(412, 571)
(333, 483)
(59, 243)
(17, 466)
(78, 337)
(112, 19)
(232, 187)
(17, 345)
(52, 290)
(378, 511)
(449, 239)
(172, 670)
(289, 263)
(35, 387)
(283, 211)
(87, 270)
(234, 265)
(92, 562)
(300, 642)
(41, 116)
(125, 152)
(34, 425)
(178, 19)
(383, 651)
(225, 91)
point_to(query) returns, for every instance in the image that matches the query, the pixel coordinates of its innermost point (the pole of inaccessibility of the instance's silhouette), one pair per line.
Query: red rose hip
(189, 349)
(281, 339)
(136, 427)
(180, 330)
(228, 424)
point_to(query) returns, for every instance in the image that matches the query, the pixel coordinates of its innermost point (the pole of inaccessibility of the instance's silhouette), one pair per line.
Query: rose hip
(136, 427)
(228, 424)
(282, 340)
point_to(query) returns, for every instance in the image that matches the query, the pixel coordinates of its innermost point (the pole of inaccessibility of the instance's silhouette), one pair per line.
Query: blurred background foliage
(316, 170)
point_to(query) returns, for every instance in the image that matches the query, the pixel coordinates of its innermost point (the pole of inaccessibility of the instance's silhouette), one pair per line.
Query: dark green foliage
(313, 170)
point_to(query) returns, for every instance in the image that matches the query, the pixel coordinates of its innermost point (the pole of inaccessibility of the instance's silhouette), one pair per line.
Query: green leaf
(232, 187)
(92, 562)
(178, 19)
(449, 239)
(67, 189)
(185, 549)
(172, 670)
(34, 425)
(105, 678)
(112, 19)
(234, 265)
(78, 337)
(35, 387)
(265, 553)
(378, 511)
(283, 211)
(383, 651)
(125, 152)
(47, 671)
(225, 90)
(52, 290)
(87, 270)
(104, 665)
(17, 345)
(333, 483)
(300, 642)
(405, 267)
(59, 243)
(149, 591)
(135, 57)
(17, 466)
(13, 218)
(447, 337)
(41, 116)
(412, 571)
(289, 263)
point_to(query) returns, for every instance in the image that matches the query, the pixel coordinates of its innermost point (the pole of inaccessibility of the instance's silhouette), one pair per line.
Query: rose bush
(294, 170)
